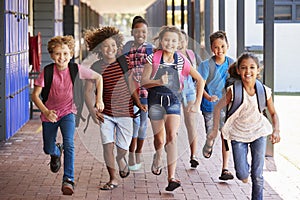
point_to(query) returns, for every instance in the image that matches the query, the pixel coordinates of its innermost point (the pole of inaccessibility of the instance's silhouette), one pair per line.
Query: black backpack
(78, 90)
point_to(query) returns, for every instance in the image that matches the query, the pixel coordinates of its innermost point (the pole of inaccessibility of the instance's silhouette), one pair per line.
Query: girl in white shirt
(247, 126)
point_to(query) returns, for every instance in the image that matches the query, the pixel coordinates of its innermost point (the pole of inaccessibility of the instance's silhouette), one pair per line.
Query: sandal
(126, 171)
(207, 149)
(173, 184)
(226, 175)
(155, 170)
(194, 162)
(109, 186)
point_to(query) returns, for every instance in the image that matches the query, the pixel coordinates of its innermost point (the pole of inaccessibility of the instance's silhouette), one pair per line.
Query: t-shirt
(247, 124)
(116, 96)
(60, 96)
(216, 85)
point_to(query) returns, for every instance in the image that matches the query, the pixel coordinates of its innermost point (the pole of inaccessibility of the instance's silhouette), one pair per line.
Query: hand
(99, 106)
(212, 135)
(51, 115)
(143, 107)
(164, 79)
(100, 117)
(214, 98)
(275, 137)
(195, 108)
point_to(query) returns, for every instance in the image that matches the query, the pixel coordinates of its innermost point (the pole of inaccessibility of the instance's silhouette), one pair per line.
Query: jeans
(140, 124)
(241, 165)
(67, 128)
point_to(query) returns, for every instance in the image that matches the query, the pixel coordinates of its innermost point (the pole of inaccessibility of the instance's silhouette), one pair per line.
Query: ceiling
(120, 6)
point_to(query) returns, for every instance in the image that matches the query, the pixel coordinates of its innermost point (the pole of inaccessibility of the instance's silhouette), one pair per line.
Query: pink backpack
(184, 72)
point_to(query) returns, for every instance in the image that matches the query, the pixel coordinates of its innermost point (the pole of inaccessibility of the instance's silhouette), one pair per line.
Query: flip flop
(126, 171)
(207, 149)
(109, 186)
(155, 170)
(173, 184)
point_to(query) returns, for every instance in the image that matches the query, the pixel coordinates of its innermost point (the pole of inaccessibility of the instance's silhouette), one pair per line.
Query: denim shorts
(118, 130)
(160, 104)
(209, 120)
(188, 95)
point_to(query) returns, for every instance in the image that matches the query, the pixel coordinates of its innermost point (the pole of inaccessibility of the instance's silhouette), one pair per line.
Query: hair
(165, 29)
(61, 40)
(95, 36)
(218, 34)
(185, 35)
(246, 55)
(137, 20)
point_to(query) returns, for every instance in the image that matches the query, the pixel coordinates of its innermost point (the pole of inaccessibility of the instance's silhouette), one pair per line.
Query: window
(284, 11)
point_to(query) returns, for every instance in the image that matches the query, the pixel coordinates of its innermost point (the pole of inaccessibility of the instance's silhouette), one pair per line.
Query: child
(136, 52)
(214, 72)
(59, 109)
(188, 98)
(116, 118)
(247, 126)
(163, 76)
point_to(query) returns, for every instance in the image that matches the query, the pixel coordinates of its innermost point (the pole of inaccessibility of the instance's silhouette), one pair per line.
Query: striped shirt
(116, 96)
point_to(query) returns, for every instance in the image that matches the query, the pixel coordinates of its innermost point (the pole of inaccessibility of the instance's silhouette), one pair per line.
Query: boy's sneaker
(55, 161)
(67, 187)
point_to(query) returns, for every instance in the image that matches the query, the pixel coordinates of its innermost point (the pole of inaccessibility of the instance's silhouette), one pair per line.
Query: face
(219, 48)
(109, 49)
(183, 44)
(248, 70)
(61, 55)
(170, 42)
(140, 32)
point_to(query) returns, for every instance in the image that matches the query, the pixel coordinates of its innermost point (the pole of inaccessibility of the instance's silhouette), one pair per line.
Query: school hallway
(26, 174)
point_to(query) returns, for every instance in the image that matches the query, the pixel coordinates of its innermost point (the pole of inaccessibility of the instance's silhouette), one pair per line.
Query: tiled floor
(25, 171)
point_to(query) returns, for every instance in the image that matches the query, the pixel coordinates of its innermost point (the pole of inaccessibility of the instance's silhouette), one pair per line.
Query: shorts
(121, 126)
(209, 120)
(160, 104)
(188, 95)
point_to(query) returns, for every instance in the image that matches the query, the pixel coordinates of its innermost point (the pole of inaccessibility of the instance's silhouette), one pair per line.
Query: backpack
(156, 62)
(238, 93)
(78, 90)
(128, 45)
(124, 65)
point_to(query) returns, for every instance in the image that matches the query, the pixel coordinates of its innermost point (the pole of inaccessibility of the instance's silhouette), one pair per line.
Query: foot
(135, 167)
(67, 187)
(173, 184)
(208, 148)
(109, 186)
(55, 162)
(155, 168)
(125, 169)
(226, 175)
(194, 161)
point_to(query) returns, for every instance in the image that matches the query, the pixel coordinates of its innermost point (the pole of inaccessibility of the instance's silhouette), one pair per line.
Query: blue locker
(7, 5)
(7, 76)
(7, 32)
(8, 131)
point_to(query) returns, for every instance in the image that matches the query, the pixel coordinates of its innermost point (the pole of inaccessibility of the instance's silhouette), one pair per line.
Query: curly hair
(61, 40)
(95, 36)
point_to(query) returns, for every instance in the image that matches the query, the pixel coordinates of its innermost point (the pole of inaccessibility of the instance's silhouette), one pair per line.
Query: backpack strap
(149, 48)
(124, 65)
(191, 57)
(212, 68)
(261, 96)
(238, 96)
(155, 62)
(127, 46)
(48, 76)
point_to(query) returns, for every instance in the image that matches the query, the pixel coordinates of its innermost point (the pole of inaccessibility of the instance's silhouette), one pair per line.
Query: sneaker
(55, 161)
(67, 187)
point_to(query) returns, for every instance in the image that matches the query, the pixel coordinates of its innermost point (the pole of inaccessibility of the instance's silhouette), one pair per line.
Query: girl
(247, 126)
(163, 76)
(188, 98)
(136, 52)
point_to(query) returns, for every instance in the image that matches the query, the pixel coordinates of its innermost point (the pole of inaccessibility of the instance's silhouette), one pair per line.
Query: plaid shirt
(136, 60)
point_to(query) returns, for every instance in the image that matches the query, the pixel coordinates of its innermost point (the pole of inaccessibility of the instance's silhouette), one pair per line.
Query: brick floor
(25, 171)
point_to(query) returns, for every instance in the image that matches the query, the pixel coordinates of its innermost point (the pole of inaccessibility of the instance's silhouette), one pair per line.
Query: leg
(241, 165)
(225, 174)
(133, 144)
(67, 126)
(49, 138)
(208, 146)
(258, 150)
(109, 158)
(141, 136)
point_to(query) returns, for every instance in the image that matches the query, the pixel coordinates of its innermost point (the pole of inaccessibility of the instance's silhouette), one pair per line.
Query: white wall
(286, 44)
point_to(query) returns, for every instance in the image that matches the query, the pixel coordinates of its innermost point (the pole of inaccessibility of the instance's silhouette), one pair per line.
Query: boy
(215, 72)
(58, 109)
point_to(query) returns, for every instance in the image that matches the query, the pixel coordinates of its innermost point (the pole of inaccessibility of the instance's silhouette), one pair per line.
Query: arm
(134, 94)
(147, 82)
(99, 87)
(212, 98)
(199, 90)
(49, 114)
(225, 100)
(275, 137)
